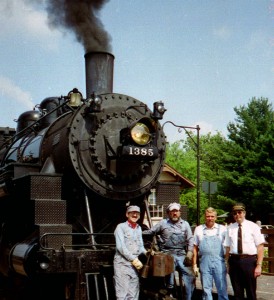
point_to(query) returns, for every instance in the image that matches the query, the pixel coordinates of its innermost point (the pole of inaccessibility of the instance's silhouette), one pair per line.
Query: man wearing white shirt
(244, 252)
(208, 247)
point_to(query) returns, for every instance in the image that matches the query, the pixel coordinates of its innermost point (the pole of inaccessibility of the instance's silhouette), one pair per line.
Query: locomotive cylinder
(99, 73)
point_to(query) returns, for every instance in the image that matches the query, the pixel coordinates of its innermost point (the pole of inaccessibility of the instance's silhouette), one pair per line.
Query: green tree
(182, 156)
(248, 158)
(184, 159)
(242, 164)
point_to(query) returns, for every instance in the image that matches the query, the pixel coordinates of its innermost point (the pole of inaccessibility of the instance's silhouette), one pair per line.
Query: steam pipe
(89, 219)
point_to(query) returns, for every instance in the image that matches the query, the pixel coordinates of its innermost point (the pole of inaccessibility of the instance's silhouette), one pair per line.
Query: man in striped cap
(129, 245)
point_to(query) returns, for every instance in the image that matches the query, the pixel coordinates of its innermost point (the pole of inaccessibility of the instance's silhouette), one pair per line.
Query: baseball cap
(133, 208)
(238, 206)
(173, 206)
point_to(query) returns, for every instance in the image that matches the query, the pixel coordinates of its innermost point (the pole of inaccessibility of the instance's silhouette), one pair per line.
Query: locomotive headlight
(140, 134)
(138, 141)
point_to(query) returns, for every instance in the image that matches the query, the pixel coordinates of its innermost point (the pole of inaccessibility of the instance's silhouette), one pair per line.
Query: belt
(174, 251)
(242, 256)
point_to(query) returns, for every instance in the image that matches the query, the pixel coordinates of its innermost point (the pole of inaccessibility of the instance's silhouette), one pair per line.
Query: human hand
(227, 266)
(137, 264)
(188, 259)
(150, 252)
(196, 270)
(258, 270)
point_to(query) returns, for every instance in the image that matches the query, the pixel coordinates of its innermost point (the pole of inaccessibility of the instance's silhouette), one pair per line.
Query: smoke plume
(82, 18)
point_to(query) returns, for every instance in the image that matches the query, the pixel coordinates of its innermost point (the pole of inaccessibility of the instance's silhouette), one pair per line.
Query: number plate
(141, 152)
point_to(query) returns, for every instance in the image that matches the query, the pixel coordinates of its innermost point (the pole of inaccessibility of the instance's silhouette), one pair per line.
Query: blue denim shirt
(173, 237)
(129, 242)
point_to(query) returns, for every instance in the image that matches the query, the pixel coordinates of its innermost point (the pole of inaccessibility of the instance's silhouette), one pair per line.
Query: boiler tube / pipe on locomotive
(3, 190)
(99, 73)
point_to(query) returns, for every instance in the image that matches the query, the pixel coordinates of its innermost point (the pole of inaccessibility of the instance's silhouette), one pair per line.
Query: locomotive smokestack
(99, 72)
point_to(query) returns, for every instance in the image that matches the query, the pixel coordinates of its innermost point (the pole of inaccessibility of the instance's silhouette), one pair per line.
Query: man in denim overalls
(176, 238)
(208, 246)
(129, 245)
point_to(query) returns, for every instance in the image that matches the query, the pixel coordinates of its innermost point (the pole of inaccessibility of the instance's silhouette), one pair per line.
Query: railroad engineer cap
(133, 208)
(238, 206)
(173, 206)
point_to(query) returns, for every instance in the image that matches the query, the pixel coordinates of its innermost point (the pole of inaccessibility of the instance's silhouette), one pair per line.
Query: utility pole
(197, 145)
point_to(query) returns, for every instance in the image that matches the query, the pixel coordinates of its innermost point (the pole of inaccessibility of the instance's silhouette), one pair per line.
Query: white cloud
(223, 32)
(11, 91)
(18, 17)
(205, 127)
(258, 38)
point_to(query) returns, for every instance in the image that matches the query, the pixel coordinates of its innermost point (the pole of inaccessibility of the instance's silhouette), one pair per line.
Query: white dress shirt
(202, 229)
(251, 237)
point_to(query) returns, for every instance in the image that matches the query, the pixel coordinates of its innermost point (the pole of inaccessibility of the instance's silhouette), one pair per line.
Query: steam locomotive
(67, 173)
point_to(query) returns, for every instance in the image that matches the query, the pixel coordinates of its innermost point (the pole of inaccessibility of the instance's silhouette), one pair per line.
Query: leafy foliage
(250, 157)
(242, 164)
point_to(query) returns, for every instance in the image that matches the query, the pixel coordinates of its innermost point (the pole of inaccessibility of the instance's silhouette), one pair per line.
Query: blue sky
(201, 58)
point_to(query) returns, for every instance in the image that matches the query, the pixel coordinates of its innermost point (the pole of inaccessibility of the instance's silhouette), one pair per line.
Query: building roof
(170, 175)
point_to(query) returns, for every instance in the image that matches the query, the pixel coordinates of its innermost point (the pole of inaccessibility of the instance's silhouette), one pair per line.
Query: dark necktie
(240, 246)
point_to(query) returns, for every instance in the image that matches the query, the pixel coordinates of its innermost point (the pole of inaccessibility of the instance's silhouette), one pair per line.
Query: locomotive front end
(121, 154)
(116, 143)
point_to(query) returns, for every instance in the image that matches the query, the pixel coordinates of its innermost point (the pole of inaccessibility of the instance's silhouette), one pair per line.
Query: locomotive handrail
(44, 236)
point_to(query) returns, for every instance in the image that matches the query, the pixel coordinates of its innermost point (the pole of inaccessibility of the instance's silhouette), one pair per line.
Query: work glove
(150, 252)
(196, 270)
(188, 259)
(137, 264)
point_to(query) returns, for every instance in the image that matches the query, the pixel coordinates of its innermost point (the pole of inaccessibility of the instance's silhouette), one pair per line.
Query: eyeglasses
(134, 213)
(238, 212)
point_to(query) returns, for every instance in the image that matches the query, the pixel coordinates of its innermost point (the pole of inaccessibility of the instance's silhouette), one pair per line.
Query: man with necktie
(244, 254)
